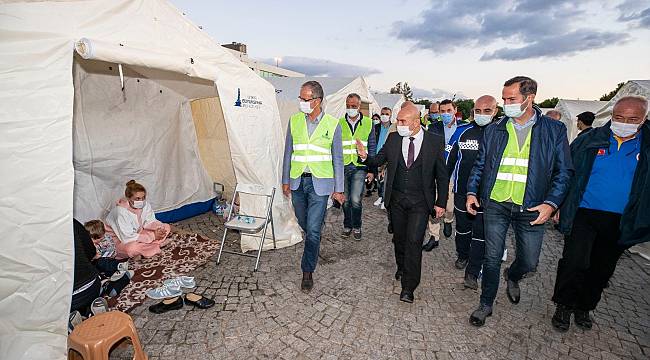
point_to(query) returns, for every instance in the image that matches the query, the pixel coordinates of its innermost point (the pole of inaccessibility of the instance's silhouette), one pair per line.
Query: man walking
(605, 211)
(312, 171)
(415, 173)
(521, 175)
(355, 126)
(470, 241)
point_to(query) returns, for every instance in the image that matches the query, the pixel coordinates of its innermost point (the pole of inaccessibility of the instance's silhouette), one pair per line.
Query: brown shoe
(307, 282)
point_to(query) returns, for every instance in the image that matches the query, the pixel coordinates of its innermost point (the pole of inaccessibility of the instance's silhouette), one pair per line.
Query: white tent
(632, 87)
(392, 101)
(336, 91)
(571, 108)
(185, 113)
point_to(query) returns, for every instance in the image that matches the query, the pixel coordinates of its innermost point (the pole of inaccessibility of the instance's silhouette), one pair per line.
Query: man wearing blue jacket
(521, 176)
(605, 211)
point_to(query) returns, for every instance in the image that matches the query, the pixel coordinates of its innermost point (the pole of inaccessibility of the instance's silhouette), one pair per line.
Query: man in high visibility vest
(521, 175)
(355, 126)
(312, 171)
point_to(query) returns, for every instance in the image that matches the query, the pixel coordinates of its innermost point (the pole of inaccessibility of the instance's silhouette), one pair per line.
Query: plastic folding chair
(247, 224)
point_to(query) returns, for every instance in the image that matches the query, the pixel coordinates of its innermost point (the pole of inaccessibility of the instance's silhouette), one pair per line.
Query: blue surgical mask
(434, 117)
(482, 119)
(447, 118)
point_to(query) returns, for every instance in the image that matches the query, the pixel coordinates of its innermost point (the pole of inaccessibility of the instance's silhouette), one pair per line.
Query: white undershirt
(417, 145)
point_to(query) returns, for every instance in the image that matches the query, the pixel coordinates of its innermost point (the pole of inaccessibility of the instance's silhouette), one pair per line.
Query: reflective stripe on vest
(513, 170)
(315, 151)
(362, 132)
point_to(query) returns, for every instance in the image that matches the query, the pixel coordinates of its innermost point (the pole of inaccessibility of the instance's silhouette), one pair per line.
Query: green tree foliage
(549, 103)
(404, 89)
(611, 94)
(465, 107)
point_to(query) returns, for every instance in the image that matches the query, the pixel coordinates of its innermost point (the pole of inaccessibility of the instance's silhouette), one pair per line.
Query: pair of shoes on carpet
(176, 303)
(171, 288)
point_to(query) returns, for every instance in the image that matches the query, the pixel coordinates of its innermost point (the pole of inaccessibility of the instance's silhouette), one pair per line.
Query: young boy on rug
(104, 260)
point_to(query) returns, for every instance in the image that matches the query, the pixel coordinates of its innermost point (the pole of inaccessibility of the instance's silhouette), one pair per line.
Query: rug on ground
(185, 253)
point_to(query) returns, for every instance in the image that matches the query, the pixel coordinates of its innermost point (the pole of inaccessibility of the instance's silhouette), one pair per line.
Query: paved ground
(354, 310)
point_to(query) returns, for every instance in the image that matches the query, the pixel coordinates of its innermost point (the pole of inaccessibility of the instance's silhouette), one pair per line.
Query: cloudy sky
(574, 49)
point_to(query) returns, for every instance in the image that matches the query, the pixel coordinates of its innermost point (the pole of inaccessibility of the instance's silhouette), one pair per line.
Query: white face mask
(384, 118)
(305, 107)
(352, 112)
(138, 204)
(623, 129)
(514, 110)
(482, 119)
(375, 121)
(403, 130)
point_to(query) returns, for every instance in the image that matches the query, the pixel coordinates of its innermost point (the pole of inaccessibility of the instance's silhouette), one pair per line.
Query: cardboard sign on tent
(100, 92)
(632, 87)
(571, 108)
(336, 91)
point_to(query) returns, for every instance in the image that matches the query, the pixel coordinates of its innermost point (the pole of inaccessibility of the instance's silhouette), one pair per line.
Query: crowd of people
(486, 174)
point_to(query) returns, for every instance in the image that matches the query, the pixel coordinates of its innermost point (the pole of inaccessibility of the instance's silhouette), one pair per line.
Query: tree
(465, 107)
(403, 89)
(611, 94)
(549, 103)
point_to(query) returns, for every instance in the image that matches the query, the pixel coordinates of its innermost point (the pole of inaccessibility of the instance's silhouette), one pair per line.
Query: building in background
(262, 69)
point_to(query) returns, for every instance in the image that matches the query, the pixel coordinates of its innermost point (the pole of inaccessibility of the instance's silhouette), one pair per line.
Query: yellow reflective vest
(362, 132)
(513, 170)
(312, 153)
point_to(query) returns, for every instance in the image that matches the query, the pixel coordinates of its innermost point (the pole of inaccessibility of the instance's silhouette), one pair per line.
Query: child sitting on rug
(104, 259)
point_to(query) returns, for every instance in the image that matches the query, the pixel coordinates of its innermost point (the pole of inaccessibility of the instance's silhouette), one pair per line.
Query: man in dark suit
(416, 171)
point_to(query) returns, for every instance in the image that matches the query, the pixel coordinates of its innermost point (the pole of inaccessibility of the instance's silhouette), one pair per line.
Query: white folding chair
(247, 224)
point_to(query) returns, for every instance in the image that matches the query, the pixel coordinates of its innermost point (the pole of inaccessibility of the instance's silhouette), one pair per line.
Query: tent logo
(238, 101)
(250, 102)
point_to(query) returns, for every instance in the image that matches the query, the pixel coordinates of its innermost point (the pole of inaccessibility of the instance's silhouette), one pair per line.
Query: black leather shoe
(461, 263)
(447, 229)
(167, 305)
(582, 319)
(346, 232)
(470, 282)
(407, 296)
(307, 282)
(431, 244)
(512, 288)
(398, 275)
(479, 315)
(198, 301)
(562, 318)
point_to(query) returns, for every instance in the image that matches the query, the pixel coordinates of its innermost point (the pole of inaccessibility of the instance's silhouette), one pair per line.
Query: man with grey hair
(605, 211)
(554, 114)
(312, 171)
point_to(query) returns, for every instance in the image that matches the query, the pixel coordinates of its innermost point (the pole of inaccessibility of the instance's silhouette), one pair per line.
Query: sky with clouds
(574, 49)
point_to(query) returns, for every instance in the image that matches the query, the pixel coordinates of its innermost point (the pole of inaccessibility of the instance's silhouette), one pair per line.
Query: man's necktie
(411, 154)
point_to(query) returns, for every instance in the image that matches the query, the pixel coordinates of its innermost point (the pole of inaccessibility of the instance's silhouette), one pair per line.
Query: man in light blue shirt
(309, 192)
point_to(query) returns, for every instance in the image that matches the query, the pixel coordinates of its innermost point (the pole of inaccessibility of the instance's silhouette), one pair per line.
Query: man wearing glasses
(312, 170)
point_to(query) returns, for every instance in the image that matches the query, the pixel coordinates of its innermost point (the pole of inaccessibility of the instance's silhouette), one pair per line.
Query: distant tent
(392, 101)
(632, 87)
(571, 108)
(336, 90)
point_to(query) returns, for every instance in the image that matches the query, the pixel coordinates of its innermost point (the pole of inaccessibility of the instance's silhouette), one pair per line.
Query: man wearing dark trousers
(415, 171)
(470, 240)
(605, 211)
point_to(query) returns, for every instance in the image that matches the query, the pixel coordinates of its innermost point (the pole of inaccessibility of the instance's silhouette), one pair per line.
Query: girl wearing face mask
(133, 225)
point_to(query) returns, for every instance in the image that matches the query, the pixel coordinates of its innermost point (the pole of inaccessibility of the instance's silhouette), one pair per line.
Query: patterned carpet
(182, 256)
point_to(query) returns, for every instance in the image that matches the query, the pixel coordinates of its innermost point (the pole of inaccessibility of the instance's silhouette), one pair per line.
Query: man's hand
(338, 197)
(370, 177)
(361, 150)
(545, 212)
(440, 212)
(472, 204)
(286, 190)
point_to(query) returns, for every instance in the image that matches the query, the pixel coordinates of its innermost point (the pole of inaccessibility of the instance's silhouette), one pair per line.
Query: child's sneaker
(98, 306)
